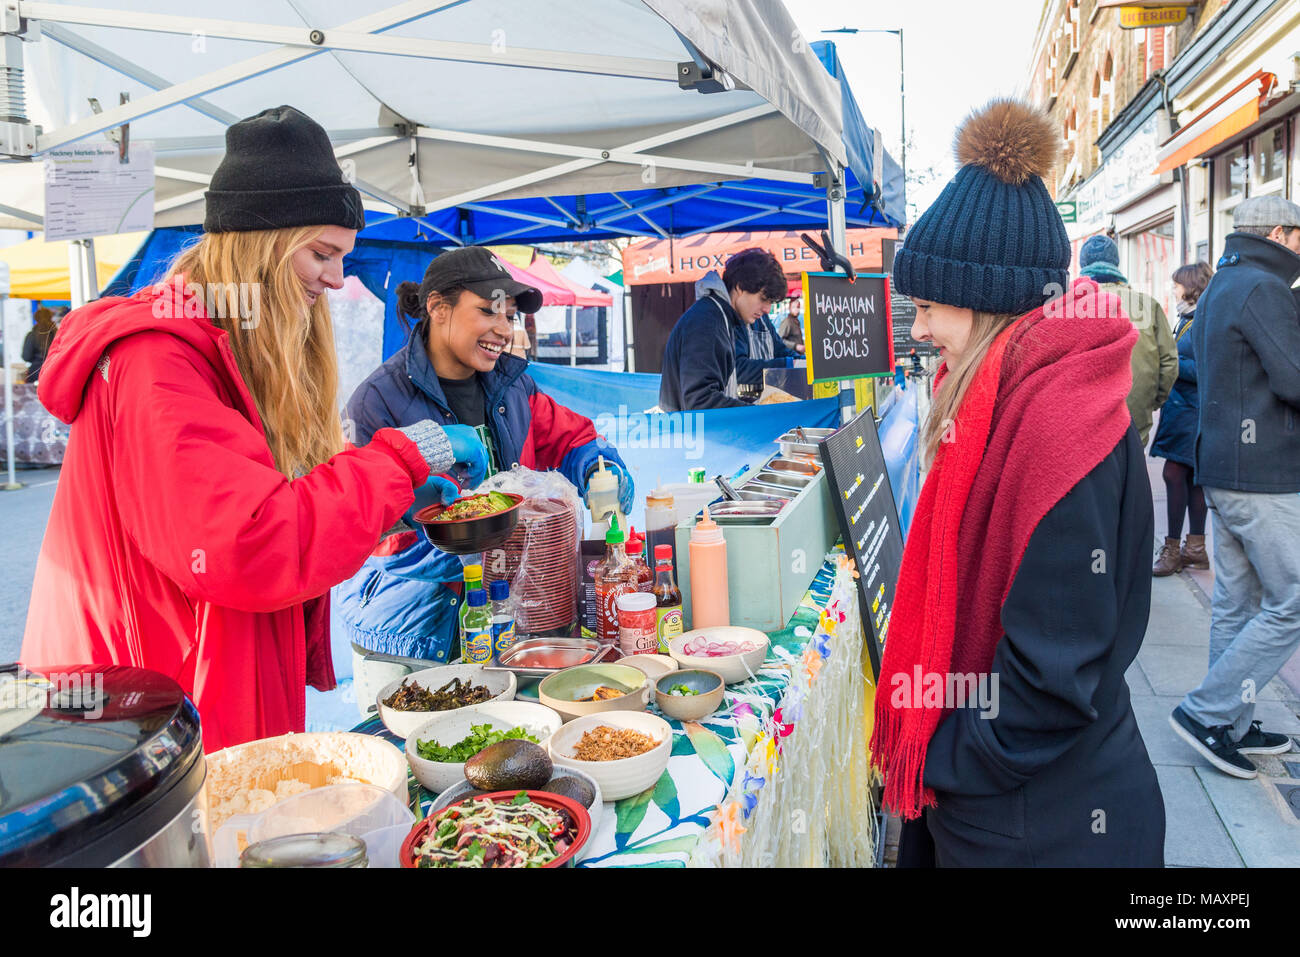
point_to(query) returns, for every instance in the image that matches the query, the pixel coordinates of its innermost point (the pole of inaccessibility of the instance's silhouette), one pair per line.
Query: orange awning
(1234, 112)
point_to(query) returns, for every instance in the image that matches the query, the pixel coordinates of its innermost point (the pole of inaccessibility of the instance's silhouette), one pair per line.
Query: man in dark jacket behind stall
(701, 369)
(1247, 345)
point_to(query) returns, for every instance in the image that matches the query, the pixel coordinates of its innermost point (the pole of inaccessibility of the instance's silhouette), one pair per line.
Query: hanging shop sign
(847, 326)
(1069, 211)
(1142, 18)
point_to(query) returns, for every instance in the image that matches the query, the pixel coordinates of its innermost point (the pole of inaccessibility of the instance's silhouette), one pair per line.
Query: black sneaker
(1214, 744)
(1259, 741)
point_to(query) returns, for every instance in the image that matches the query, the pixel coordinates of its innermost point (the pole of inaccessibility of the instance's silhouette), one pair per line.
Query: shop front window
(1270, 160)
(1237, 163)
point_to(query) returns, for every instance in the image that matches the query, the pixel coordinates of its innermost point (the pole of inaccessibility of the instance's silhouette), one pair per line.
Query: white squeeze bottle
(710, 606)
(602, 499)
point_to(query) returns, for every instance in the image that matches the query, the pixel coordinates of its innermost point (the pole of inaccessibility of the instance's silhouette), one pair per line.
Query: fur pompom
(1010, 139)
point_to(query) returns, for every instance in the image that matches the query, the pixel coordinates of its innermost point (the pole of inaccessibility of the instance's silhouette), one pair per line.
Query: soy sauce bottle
(668, 598)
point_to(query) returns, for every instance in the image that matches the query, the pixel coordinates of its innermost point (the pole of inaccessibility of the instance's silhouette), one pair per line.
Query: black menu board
(868, 517)
(847, 326)
(903, 311)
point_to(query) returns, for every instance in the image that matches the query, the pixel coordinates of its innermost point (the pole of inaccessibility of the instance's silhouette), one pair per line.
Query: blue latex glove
(471, 455)
(436, 489)
(626, 488)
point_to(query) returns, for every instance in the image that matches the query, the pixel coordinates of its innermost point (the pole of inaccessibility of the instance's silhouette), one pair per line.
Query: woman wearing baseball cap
(207, 501)
(455, 368)
(1024, 588)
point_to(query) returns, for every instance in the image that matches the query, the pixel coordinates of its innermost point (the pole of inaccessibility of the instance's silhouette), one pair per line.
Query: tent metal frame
(364, 35)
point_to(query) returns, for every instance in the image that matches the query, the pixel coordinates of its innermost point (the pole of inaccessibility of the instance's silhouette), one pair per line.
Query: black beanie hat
(994, 240)
(279, 171)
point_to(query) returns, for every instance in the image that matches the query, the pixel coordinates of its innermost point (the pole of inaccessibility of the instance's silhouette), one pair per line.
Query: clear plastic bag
(540, 559)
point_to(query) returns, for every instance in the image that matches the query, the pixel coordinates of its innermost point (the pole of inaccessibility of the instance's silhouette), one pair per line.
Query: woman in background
(1175, 439)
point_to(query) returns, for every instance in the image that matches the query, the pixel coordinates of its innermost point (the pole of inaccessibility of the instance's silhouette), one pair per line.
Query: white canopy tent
(443, 105)
(438, 103)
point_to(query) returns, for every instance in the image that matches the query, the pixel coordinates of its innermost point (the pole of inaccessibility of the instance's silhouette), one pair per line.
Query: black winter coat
(1060, 776)
(1176, 437)
(699, 359)
(1247, 344)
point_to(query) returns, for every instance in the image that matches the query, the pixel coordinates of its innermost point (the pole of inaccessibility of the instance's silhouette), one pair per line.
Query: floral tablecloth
(662, 826)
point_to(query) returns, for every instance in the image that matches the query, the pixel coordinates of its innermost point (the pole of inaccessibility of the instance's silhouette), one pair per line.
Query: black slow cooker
(99, 767)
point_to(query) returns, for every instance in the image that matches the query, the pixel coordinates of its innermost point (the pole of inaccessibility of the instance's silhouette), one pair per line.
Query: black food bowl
(468, 536)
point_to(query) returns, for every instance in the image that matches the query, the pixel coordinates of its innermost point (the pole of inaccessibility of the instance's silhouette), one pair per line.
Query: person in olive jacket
(1002, 711)
(1175, 439)
(1155, 358)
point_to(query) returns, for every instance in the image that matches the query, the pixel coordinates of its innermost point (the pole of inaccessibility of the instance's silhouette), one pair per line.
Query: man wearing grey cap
(1247, 344)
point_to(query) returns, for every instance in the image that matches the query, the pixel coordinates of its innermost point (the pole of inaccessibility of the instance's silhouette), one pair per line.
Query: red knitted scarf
(1045, 408)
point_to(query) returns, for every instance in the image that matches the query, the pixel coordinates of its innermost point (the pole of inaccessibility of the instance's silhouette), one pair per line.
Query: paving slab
(1137, 680)
(1177, 618)
(1164, 747)
(1194, 835)
(1263, 830)
(1176, 670)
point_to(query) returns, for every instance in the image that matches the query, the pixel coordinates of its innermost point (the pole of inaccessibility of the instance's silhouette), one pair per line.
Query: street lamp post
(902, 90)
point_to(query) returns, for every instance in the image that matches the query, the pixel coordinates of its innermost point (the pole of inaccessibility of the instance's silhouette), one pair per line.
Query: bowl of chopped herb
(438, 749)
(472, 523)
(689, 695)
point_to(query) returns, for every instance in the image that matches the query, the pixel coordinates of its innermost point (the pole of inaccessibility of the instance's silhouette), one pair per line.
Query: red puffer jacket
(173, 543)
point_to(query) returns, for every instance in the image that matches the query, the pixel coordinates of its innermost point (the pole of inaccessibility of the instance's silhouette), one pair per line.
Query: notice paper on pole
(847, 326)
(89, 192)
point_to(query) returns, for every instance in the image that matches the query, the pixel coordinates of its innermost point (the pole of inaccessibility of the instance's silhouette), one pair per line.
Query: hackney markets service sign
(847, 326)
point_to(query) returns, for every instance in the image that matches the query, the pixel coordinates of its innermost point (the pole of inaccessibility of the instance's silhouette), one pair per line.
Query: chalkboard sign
(847, 326)
(903, 311)
(868, 517)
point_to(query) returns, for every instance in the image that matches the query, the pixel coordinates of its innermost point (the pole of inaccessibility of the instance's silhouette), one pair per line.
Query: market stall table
(718, 767)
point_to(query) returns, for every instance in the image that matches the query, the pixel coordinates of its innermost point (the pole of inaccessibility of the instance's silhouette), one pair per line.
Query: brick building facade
(1126, 102)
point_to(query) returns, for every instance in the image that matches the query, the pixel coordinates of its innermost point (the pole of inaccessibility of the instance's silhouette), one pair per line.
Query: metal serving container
(763, 493)
(791, 444)
(539, 657)
(797, 465)
(790, 480)
(771, 558)
(748, 512)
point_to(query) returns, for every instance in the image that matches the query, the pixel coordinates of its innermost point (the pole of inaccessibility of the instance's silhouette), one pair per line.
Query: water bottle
(503, 619)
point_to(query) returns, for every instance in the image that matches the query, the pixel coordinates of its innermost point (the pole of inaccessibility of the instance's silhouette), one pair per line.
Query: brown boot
(1170, 560)
(1193, 553)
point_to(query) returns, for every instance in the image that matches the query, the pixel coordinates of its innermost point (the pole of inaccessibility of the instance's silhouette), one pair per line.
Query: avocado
(571, 787)
(509, 765)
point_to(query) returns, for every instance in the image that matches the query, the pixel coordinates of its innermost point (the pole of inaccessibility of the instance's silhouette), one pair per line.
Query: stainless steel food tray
(790, 480)
(572, 651)
(790, 442)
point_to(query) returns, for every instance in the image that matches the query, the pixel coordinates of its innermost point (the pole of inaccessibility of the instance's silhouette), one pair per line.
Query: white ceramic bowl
(502, 684)
(450, 727)
(733, 668)
(626, 776)
(654, 666)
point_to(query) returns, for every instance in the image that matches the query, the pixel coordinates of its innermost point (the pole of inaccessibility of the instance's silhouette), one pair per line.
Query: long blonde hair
(283, 347)
(947, 401)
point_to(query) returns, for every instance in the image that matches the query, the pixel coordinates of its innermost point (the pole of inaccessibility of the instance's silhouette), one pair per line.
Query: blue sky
(960, 54)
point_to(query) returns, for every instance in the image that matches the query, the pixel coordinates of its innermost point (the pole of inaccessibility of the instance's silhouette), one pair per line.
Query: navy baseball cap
(480, 271)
